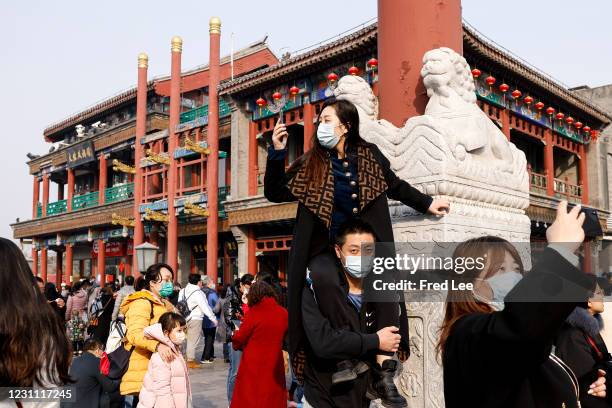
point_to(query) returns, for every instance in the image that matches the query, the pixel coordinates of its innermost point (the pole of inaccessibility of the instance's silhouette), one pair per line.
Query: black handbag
(120, 358)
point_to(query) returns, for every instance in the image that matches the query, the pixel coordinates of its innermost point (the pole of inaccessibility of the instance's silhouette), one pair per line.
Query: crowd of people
(320, 342)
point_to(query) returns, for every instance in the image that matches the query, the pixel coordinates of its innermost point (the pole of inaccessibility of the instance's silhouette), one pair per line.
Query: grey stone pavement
(209, 383)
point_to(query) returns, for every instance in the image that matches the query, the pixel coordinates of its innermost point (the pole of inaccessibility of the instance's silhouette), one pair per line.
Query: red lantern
(550, 110)
(578, 125)
(586, 129)
(260, 102)
(560, 116)
(594, 135)
(276, 96)
(476, 72)
(504, 88)
(516, 94)
(490, 80)
(353, 70)
(539, 105)
(528, 100)
(332, 77)
(373, 63)
(294, 90)
(569, 120)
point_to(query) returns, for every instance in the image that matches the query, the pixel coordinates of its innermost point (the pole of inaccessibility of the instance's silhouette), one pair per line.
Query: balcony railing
(119, 193)
(57, 207)
(38, 210)
(538, 182)
(85, 201)
(188, 116)
(565, 190)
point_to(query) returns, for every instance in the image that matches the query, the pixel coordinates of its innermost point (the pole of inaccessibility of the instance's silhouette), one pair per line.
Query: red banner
(112, 248)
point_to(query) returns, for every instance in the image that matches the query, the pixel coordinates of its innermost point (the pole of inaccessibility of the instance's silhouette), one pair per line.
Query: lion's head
(357, 91)
(444, 71)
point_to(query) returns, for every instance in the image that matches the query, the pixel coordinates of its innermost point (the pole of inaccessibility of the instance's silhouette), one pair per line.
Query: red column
(102, 262)
(43, 264)
(70, 188)
(58, 267)
(308, 125)
(406, 30)
(583, 177)
(175, 105)
(251, 249)
(35, 196)
(212, 166)
(45, 199)
(505, 120)
(549, 164)
(141, 129)
(102, 179)
(253, 167)
(68, 274)
(34, 260)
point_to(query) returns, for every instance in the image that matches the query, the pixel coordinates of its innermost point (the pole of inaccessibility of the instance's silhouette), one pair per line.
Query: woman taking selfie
(340, 178)
(496, 340)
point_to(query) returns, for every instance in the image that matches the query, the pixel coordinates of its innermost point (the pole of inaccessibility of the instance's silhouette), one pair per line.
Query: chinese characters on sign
(80, 154)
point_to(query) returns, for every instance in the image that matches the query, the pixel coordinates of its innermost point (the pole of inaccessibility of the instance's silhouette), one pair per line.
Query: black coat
(573, 347)
(90, 383)
(311, 232)
(502, 359)
(102, 331)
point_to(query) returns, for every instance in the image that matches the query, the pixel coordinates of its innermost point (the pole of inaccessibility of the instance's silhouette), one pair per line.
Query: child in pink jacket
(166, 385)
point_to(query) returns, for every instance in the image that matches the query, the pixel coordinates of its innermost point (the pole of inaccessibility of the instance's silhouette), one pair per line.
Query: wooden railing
(565, 190)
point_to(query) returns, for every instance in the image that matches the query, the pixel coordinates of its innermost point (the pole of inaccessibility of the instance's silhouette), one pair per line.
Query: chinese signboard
(80, 154)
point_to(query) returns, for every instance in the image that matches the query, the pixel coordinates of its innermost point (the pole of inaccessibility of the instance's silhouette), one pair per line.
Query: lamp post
(147, 256)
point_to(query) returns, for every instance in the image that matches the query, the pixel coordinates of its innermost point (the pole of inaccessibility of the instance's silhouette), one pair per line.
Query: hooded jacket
(165, 385)
(137, 311)
(574, 347)
(78, 302)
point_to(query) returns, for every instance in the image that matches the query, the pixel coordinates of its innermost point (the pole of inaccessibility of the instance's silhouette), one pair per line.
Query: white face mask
(179, 338)
(353, 265)
(326, 135)
(501, 284)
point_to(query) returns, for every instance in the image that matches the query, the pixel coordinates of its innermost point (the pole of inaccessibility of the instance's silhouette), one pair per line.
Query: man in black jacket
(90, 382)
(338, 338)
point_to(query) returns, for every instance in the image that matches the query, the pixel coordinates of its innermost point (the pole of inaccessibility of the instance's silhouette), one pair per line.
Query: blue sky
(60, 57)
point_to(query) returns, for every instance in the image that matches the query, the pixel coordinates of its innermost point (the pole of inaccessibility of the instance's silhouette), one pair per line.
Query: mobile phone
(591, 226)
(281, 116)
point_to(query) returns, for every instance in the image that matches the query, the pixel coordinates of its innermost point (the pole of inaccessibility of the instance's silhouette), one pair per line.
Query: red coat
(261, 375)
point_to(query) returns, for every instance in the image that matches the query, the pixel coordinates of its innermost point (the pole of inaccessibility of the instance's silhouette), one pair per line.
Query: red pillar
(212, 166)
(583, 177)
(308, 126)
(253, 167)
(58, 267)
(45, 199)
(102, 262)
(549, 164)
(68, 274)
(43, 264)
(406, 30)
(34, 260)
(505, 120)
(102, 179)
(175, 105)
(70, 189)
(35, 196)
(251, 249)
(141, 129)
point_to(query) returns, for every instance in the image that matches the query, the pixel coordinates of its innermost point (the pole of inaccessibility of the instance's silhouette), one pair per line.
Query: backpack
(182, 307)
(120, 358)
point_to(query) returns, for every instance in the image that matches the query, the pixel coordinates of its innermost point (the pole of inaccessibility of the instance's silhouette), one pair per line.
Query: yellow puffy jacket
(137, 311)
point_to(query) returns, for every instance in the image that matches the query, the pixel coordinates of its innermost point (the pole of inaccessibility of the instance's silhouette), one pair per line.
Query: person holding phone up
(342, 177)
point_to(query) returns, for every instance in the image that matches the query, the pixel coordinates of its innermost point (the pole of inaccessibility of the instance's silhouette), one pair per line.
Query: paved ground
(209, 383)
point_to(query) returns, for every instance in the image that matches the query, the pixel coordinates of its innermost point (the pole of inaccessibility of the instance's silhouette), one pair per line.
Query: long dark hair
(33, 344)
(461, 303)
(314, 159)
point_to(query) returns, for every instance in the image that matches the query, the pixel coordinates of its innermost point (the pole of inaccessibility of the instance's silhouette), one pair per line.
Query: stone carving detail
(453, 150)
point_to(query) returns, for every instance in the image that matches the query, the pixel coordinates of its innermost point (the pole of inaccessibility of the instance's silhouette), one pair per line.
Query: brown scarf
(319, 198)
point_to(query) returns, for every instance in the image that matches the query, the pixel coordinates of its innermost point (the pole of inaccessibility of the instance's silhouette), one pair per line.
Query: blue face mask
(501, 284)
(354, 267)
(326, 135)
(167, 289)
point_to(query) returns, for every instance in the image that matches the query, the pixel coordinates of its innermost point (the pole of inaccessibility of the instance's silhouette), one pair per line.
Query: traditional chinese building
(111, 194)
